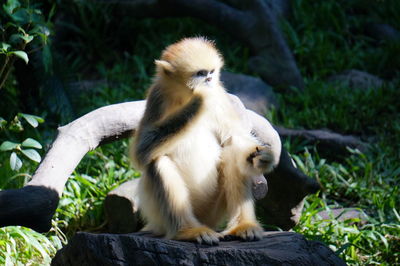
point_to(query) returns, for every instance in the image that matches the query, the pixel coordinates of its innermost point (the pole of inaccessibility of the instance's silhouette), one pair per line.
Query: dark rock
(382, 32)
(276, 248)
(281, 8)
(279, 71)
(253, 92)
(287, 188)
(357, 79)
(326, 141)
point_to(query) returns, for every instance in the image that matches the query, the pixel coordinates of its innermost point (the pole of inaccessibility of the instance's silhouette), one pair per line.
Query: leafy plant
(27, 147)
(361, 182)
(330, 35)
(23, 246)
(21, 23)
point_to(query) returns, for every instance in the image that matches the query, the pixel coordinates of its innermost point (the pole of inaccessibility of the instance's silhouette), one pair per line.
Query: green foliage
(326, 40)
(362, 181)
(341, 109)
(22, 246)
(21, 23)
(330, 34)
(81, 207)
(18, 145)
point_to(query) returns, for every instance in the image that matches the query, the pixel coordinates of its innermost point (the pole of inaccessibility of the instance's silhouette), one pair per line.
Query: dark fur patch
(160, 194)
(154, 106)
(252, 156)
(150, 137)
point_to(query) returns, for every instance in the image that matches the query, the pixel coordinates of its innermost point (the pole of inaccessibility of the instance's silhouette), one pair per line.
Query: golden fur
(196, 154)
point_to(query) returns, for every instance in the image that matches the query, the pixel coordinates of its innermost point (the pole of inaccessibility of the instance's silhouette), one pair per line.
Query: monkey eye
(212, 71)
(202, 73)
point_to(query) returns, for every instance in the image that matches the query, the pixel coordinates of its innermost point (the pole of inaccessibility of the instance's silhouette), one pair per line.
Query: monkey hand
(248, 231)
(201, 234)
(261, 159)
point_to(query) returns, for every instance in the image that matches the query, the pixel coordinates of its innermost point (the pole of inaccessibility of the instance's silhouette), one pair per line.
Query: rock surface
(276, 248)
(344, 214)
(327, 141)
(382, 32)
(255, 94)
(357, 79)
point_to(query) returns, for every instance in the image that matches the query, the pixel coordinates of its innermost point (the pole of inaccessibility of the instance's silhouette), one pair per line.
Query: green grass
(22, 246)
(364, 182)
(339, 108)
(326, 38)
(326, 41)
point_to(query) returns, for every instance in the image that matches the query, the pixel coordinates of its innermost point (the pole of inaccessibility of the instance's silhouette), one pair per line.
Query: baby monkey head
(191, 62)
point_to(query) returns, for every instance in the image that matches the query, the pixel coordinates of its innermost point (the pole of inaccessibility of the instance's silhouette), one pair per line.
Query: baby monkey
(196, 154)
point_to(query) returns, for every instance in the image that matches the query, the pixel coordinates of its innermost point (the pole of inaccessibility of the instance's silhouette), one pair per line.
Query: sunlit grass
(359, 182)
(23, 246)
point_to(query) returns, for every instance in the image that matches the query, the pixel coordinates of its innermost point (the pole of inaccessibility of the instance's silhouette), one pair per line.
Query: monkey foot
(201, 234)
(248, 231)
(261, 158)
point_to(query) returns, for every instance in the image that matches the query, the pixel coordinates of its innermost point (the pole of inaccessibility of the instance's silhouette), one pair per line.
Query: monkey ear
(164, 66)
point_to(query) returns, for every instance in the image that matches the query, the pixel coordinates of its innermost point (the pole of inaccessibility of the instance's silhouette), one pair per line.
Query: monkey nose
(208, 79)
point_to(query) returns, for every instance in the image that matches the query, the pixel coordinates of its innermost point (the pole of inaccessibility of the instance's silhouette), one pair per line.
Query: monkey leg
(169, 192)
(242, 158)
(243, 222)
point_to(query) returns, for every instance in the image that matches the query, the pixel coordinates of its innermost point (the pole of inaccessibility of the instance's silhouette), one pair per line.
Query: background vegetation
(81, 56)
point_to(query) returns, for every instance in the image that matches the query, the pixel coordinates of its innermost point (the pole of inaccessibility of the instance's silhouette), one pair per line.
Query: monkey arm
(262, 128)
(242, 159)
(154, 137)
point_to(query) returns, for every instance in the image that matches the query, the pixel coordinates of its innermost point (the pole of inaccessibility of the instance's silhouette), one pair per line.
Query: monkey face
(203, 77)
